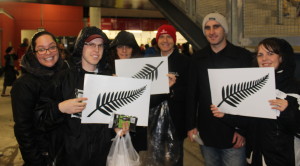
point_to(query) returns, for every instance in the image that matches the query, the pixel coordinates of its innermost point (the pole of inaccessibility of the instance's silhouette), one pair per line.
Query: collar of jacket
(227, 51)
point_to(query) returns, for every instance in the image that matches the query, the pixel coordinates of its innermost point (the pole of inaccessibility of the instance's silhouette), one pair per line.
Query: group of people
(47, 108)
(228, 139)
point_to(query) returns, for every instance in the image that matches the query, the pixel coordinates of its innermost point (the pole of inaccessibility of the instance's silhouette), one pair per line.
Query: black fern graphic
(148, 72)
(234, 94)
(112, 101)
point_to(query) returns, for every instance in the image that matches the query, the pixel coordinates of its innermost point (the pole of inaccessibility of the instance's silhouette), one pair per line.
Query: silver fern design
(234, 94)
(111, 101)
(148, 72)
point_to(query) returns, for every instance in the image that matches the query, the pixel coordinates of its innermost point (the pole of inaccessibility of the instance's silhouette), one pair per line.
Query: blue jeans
(223, 157)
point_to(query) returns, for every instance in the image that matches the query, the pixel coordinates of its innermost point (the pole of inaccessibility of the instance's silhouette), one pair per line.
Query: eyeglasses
(44, 50)
(93, 45)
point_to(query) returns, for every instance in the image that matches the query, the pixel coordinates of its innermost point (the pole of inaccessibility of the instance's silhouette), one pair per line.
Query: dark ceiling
(123, 4)
(109, 8)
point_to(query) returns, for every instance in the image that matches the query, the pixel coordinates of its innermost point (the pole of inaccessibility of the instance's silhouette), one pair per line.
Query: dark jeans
(223, 157)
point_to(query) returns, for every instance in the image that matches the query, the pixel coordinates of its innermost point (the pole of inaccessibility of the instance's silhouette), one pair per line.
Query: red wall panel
(57, 19)
(131, 24)
(60, 20)
(8, 32)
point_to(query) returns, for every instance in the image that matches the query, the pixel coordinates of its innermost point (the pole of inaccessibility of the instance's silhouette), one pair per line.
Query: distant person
(223, 144)
(146, 46)
(22, 50)
(153, 50)
(143, 49)
(65, 56)
(179, 47)
(186, 49)
(10, 70)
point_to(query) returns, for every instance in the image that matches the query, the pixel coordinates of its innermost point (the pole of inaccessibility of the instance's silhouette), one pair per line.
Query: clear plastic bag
(163, 143)
(122, 152)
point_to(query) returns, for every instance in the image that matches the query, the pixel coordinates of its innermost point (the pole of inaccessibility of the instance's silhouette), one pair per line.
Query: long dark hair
(37, 35)
(280, 47)
(30, 63)
(286, 69)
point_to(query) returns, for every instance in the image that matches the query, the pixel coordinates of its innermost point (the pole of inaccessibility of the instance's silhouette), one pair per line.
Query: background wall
(59, 20)
(7, 27)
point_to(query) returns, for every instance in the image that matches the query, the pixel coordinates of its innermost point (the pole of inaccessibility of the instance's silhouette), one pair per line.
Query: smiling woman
(46, 51)
(40, 63)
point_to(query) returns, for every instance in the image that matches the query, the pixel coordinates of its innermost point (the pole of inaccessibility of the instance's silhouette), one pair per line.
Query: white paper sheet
(154, 68)
(252, 102)
(108, 91)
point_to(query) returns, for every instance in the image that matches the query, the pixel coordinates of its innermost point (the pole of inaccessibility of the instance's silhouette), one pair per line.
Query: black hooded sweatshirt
(83, 144)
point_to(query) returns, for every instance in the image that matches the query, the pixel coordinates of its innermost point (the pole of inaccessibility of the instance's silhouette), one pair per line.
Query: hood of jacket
(79, 44)
(125, 38)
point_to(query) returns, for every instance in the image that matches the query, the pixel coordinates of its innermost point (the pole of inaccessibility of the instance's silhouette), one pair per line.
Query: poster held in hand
(107, 95)
(244, 91)
(153, 68)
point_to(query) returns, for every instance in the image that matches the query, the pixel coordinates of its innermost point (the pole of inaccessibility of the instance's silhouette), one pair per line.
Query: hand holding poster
(244, 91)
(154, 69)
(107, 95)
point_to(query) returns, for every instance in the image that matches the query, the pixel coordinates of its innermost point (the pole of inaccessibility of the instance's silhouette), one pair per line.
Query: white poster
(154, 69)
(244, 91)
(109, 94)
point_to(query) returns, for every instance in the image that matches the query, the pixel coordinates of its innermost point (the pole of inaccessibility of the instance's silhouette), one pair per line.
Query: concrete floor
(10, 153)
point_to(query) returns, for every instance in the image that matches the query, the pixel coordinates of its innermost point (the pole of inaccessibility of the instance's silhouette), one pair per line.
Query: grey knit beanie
(216, 17)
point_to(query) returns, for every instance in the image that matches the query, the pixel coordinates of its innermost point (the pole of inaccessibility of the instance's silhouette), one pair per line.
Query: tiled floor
(9, 147)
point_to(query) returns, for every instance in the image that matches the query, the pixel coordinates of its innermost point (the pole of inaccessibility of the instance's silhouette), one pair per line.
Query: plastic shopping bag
(122, 152)
(163, 143)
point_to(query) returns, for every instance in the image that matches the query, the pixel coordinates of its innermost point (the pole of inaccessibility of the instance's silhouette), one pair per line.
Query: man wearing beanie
(222, 143)
(178, 65)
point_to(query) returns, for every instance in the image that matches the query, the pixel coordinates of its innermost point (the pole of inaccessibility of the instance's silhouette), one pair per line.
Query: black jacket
(83, 144)
(26, 93)
(9, 70)
(273, 139)
(178, 65)
(213, 132)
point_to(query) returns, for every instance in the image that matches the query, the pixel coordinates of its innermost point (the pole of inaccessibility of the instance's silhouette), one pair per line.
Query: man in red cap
(178, 65)
(166, 39)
